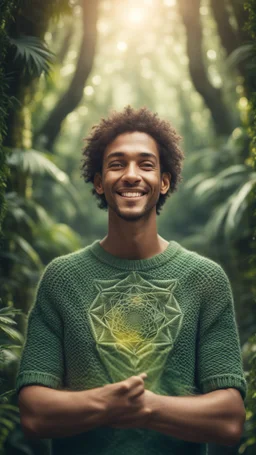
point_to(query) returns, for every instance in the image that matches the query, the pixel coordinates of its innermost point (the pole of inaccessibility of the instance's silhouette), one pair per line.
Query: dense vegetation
(63, 66)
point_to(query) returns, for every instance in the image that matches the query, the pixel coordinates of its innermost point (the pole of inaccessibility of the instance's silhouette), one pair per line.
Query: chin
(133, 216)
(130, 217)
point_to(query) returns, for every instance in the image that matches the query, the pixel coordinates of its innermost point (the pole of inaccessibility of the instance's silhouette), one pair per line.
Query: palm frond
(28, 250)
(196, 180)
(215, 225)
(9, 416)
(33, 53)
(12, 333)
(35, 162)
(227, 180)
(244, 52)
(15, 210)
(10, 311)
(238, 205)
(227, 216)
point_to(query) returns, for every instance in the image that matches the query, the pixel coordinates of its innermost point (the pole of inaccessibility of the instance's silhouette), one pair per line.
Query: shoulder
(63, 267)
(202, 268)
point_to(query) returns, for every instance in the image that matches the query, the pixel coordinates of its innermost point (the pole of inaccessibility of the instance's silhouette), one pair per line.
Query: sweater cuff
(37, 378)
(224, 381)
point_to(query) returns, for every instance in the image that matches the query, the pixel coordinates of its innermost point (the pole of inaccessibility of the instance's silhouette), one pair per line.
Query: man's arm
(50, 413)
(217, 416)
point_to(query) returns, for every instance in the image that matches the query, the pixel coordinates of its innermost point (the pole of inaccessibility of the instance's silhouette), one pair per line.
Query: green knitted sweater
(99, 319)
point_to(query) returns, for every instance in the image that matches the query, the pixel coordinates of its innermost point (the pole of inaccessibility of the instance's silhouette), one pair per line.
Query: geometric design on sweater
(135, 323)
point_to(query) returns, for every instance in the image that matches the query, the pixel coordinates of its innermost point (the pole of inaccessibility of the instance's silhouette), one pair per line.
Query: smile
(131, 195)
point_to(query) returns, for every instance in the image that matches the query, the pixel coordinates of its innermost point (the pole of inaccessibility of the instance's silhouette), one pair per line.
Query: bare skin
(49, 413)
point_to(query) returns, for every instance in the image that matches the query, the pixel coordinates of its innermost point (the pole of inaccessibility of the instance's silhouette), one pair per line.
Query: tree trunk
(241, 15)
(73, 95)
(230, 38)
(65, 44)
(212, 96)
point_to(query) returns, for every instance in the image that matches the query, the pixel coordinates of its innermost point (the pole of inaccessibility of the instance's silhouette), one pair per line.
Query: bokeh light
(136, 15)
(121, 46)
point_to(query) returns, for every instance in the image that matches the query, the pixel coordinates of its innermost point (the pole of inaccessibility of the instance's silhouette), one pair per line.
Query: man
(132, 344)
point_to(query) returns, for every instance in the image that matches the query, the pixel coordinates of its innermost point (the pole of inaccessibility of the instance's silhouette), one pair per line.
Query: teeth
(131, 194)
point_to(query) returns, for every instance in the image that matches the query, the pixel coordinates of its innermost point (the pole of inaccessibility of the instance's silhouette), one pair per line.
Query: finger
(136, 391)
(143, 375)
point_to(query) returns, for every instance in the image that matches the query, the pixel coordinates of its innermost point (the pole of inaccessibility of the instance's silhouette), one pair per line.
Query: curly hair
(133, 120)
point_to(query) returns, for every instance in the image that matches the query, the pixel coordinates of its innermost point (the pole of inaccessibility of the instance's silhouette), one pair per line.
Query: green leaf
(33, 53)
(238, 206)
(28, 250)
(240, 54)
(6, 320)
(12, 333)
(35, 162)
(10, 425)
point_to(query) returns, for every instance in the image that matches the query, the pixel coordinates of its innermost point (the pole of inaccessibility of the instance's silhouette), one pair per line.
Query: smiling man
(132, 343)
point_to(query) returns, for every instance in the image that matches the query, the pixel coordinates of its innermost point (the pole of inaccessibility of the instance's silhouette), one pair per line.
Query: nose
(131, 174)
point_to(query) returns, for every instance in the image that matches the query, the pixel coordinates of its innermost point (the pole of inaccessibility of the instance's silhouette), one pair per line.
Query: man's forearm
(213, 417)
(50, 413)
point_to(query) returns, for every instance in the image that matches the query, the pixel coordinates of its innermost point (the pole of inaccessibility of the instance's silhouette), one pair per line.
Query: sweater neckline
(135, 264)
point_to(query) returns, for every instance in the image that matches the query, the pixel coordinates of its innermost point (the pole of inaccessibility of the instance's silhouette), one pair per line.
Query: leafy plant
(33, 53)
(9, 414)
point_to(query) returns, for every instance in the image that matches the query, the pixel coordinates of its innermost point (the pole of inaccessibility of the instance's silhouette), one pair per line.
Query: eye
(115, 165)
(147, 164)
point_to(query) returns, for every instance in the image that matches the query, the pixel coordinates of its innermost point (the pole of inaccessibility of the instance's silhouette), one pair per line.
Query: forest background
(63, 66)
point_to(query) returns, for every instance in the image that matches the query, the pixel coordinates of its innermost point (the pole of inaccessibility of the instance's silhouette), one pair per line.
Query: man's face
(131, 179)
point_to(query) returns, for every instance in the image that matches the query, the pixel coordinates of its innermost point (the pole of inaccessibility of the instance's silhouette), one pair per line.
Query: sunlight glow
(211, 54)
(96, 80)
(237, 133)
(67, 69)
(204, 10)
(102, 27)
(72, 54)
(136, 15)
(243, 102)
(169, 2)
(48, 36)
(88, 90)
(121, 46)
(239, 89)
(82, 110)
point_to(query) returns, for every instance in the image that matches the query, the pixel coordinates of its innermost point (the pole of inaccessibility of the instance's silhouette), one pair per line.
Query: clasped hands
(128, 403)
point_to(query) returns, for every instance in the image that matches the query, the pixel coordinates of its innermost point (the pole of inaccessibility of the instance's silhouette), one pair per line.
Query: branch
(74, 94)
(212, 96)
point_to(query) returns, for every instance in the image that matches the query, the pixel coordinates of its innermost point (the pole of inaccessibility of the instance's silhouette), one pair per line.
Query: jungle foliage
(64, 65)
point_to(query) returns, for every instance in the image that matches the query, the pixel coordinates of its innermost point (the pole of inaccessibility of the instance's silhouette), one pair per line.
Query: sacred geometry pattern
(135, 323)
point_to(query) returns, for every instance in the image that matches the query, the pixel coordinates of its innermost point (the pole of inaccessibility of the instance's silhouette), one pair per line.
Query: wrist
(103, 396)
(152, 403)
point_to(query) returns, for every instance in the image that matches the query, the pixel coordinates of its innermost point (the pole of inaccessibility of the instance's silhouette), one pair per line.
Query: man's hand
(126, 404)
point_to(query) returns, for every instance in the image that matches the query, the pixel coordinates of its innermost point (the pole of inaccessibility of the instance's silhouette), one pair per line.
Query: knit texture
(98, 319)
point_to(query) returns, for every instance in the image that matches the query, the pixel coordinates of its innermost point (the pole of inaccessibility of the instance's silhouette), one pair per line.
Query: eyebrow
(122, 154)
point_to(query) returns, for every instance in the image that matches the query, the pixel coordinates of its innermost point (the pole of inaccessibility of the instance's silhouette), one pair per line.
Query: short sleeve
(219, 359)
(42, 361)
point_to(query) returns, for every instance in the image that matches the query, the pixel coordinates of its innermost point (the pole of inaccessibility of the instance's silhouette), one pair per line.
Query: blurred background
(63, 66)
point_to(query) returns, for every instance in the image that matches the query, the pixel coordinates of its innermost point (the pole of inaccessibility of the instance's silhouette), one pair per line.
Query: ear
(97, 181)
(166, 182)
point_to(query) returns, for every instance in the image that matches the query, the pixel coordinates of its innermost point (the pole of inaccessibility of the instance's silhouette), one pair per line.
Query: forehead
(132, 144)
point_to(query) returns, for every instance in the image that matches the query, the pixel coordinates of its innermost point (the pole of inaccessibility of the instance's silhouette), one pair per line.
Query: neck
(133, 239)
